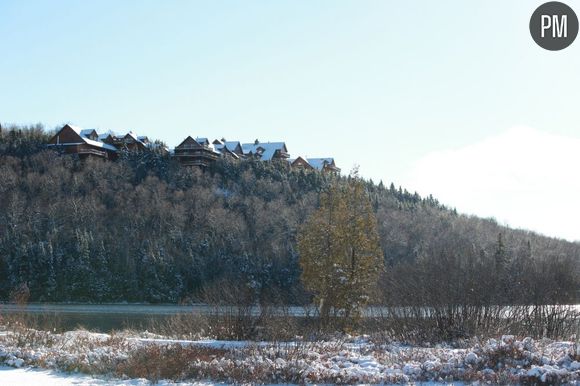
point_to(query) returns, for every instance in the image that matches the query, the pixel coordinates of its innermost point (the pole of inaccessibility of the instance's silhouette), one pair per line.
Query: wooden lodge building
(84, 142)
(191, 152)
(88, 143)
(129, 141)
(325, 165)
(266, 151)
(195, 152)
(200, 152)
(231, 149)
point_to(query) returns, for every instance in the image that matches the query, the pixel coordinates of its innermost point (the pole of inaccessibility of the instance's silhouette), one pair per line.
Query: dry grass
(230, 324)
(45, 322)
(155, 362)
(296, 362)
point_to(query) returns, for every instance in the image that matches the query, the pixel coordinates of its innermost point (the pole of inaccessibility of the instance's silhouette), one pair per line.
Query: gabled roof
(196, 142)
(248, 148)
(320, 163)
(229, 145)
(189, 140)
(132, 136)
(104, 136)
(202, 141)
(88, 132)
(82, 133)
(269, 149)
(76, 129)
(301, 161)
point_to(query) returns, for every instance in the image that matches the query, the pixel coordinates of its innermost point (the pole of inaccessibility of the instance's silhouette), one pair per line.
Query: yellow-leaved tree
(339, 249)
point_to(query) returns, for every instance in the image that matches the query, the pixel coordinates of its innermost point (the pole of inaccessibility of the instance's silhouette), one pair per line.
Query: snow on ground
(11, 377)
(356, 360)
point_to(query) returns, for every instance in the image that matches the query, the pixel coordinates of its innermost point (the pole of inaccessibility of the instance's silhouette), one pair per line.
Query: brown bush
(155, 362)
(20, 294)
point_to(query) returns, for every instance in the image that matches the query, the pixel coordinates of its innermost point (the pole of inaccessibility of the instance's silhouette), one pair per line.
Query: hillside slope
(145, 229)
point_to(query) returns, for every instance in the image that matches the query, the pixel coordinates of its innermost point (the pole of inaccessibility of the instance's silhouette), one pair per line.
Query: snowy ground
(125, 359)
(10, 376)
(13, 376)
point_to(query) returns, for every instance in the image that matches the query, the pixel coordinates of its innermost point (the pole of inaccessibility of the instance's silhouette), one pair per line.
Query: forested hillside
(146, 229)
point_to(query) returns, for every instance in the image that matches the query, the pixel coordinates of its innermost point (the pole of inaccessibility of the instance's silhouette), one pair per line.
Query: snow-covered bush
(350, 360)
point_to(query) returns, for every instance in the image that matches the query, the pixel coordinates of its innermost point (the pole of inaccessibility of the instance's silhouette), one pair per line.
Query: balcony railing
(85, 151)
(182, 147)
(203, 153)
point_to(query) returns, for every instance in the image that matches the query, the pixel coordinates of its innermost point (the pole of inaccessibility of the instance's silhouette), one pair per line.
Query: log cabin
(300, 163)
(266, 151)
(195, 152)
(325, 165)
(232, 149)
(191, 152)
(84, 142)
(129, 141)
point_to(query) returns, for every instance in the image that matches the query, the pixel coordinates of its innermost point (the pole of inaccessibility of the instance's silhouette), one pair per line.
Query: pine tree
(339, 249)
(500, 253)
(99, 284)
(503, 277)
(80, 269)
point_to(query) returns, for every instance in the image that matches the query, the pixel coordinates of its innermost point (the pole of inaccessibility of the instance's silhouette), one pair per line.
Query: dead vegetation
(173, 361)
(344, 360)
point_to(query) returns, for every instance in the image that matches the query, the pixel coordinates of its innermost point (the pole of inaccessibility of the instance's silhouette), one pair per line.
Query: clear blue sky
(381, 84)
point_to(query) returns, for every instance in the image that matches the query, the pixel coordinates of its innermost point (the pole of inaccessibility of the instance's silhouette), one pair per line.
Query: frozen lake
(107, 317)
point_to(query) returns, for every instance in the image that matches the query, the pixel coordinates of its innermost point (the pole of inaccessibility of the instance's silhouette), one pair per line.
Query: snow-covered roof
(99, 144)
(202, 140)
(134, 137)
(83, 134)
(223, 149)
(319, 163)
(87, 132)
(248, 148)
(268, 149)
(300, 162)
(76, 129)
(212, 148)
(230, 145)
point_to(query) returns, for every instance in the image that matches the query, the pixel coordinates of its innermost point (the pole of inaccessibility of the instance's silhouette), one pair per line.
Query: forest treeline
(144, 228)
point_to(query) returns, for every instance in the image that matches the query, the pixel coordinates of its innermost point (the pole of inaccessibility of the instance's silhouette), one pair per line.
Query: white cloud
(524, 178)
